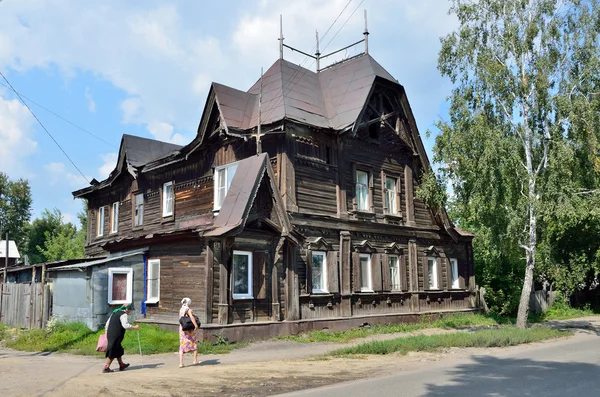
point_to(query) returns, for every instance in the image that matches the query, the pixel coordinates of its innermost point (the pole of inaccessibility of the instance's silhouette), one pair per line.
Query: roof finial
(318, 54)
(366, 33)
(280, 36)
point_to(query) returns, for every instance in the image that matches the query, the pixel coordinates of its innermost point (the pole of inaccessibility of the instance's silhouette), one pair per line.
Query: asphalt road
(563, 368)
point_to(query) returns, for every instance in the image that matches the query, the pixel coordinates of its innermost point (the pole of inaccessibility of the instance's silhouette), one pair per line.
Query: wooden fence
(26, 305)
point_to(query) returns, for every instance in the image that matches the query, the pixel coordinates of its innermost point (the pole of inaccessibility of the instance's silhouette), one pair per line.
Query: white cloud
(90, 98)
(109, 164)
(70, 218)
(59, 175)
(16, 137)
(164, 132)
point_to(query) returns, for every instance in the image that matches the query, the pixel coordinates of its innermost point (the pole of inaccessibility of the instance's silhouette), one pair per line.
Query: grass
(76, 338)
(501, 337)
(447, 322)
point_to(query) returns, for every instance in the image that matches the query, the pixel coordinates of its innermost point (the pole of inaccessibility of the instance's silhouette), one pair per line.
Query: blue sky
(144, 68)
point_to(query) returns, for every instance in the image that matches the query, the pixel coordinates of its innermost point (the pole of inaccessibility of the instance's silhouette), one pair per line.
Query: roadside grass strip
(76, 338)
(500, 337)
(448, 322)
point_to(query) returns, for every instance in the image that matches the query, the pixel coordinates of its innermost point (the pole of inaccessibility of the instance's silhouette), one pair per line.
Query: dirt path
(262, 369)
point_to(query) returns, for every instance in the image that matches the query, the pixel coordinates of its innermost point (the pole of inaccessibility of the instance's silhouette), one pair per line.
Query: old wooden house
(311, 223)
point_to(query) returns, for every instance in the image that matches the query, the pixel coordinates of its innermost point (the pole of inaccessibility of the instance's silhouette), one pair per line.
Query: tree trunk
(523, 312)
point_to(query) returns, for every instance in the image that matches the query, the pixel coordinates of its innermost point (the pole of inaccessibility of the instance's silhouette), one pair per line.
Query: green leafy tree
(40, 228)
(15, 209)
(63, 241)
(522, 112)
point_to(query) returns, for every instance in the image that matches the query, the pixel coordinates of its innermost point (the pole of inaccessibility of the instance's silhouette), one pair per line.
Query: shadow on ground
(493, 376)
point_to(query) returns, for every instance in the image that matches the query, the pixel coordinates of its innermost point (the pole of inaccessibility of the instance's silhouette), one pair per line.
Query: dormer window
(223, 177)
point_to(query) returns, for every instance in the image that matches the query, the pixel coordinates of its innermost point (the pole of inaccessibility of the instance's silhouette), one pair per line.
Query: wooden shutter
(461, 273)
(259, 268)
(425, 267)
(308, 271)
(356, 279)
(385, 272)
(402, 264)
(376, 272)
(441, 264)
(333, 275)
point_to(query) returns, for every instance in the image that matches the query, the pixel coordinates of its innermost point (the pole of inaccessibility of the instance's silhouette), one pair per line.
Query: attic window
(374, 130)
(223, 177)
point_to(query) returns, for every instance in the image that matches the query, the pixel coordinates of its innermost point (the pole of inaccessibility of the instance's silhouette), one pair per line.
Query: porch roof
(84, 265)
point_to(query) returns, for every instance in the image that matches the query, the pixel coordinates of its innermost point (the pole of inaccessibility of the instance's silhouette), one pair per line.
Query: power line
(61, 117)
(274, 105)
(305, 69)
(45, 129)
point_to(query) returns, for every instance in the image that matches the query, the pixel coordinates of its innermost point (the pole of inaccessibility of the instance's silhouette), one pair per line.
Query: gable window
(120, 285)
(242, 274)
(114, 225)
(365, 273)
(153, 285)
(100, 226)
(454, 272)
(319, 272)
(223, 177)
(391, 205)
(362, 190)
(432, 272)
(167, 199)
(394, 265)
(138, 217)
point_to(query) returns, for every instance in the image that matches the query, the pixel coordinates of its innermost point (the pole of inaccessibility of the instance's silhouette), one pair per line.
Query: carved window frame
(220, 192)
(100, 222)
(166, 211)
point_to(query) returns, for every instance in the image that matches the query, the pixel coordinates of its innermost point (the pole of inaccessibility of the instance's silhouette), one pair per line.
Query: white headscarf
(185, 304)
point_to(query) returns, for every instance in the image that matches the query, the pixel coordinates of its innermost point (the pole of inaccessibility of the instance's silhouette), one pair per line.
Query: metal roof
(140, 151)
(84, 265)
(13, 251)
(332, 98)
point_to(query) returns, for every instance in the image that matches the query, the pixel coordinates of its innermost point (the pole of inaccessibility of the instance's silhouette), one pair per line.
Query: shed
(88, 291)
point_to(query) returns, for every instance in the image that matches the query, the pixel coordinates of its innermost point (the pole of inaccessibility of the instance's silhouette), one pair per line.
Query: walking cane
(140, 346)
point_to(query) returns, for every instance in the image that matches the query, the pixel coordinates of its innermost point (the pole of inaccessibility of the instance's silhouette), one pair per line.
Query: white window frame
(248, 295)
(394, 284)
(220, 192)
(367, 203)
(114, 225)
(120, 270)
(138, 219)
(454, 273)
(392, 206)
(369, 285)
(153, 296)
(323, 289)
(100, 221)
(433, 275)
(168, 202)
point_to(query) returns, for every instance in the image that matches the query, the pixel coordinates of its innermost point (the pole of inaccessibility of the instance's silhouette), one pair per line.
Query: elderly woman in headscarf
(115, 332)
(187, 339)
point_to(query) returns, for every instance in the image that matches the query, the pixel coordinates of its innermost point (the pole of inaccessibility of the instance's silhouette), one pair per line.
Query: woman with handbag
(115, 332)
(187, 339)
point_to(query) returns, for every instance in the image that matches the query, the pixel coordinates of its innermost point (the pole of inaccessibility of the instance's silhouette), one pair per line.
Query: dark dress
(115, 335)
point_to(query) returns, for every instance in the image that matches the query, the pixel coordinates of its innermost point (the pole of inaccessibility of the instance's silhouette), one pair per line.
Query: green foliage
(520, 148)
(56, 240)
(561, 310)
(452, 321)
(432, 191)
(501, 337)
(15, 210)
(76, 338)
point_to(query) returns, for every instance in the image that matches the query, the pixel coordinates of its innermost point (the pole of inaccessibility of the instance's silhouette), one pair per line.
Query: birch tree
(525, 73)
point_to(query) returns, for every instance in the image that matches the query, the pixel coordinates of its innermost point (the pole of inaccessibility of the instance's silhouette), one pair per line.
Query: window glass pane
(362, 190)
(240, 274)
(168, 199)
(365, 273)
(390, 195)
(431, 268)
(230, 173)
(153, 289)
(101, 221)
(119, 287)
(318, 281)
(115, 217)
(454, 271)
(394, 273)
(139, 210)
